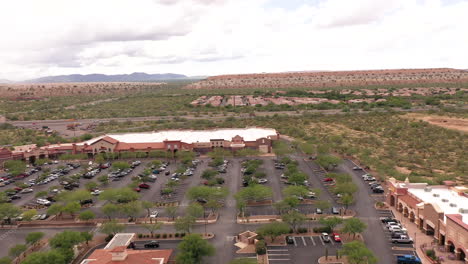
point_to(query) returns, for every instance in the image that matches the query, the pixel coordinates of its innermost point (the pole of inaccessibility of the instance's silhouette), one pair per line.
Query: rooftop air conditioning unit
(428, 189)
(444, 200)
(435, 194)
(463, 211)
(453, 205)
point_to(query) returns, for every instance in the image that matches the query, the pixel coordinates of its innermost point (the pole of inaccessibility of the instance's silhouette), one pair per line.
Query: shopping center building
(440, 211)
(201, 141)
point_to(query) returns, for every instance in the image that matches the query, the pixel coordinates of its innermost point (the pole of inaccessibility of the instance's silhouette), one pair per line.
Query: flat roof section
(119, 240)
(450, 202)
(191, 136)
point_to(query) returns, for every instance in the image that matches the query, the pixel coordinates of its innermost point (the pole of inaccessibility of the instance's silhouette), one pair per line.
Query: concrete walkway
(422, 239)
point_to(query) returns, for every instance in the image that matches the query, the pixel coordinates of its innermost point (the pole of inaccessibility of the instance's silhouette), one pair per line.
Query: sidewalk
(421, 239)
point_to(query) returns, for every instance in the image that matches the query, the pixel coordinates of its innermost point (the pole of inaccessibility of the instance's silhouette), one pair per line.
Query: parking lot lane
(233, 181)
(192, 181)
(273, 177)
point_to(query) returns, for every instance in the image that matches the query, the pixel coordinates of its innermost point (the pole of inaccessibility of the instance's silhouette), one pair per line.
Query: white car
(43, 201)
(154, 214)
(262, 181)
(311, 195)
(96, 192)
(27, 190)
(397, 228)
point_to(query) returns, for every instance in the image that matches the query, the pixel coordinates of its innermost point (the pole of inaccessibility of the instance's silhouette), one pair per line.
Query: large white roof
(191, 136)
(443, 198)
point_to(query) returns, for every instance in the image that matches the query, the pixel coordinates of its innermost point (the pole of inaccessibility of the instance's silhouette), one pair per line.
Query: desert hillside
(332, 79)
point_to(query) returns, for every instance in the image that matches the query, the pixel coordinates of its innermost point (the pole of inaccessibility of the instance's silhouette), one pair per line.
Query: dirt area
(403, 170)
(460, 124)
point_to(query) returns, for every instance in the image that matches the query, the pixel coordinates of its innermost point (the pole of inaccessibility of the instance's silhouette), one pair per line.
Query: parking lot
(305, 249)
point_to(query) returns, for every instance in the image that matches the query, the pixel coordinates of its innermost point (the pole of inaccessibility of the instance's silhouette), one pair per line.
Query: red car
(18, 189)
(137, 189)
(144, 186)
(336, 237)
(328, 180)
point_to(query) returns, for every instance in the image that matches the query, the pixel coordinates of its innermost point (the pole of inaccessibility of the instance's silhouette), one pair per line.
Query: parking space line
(278, 259)
(278, 254)
(294, 240)
(322, 241)
(313, 242)
(277, 250)
(303, 241)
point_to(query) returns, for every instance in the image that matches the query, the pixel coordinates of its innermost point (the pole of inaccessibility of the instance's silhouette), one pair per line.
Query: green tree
(49, 257)
(193, 248)
(111, 228)
(72, 208)
(345, 188)
(110, 210)
(322, 204)
(87, 236)
(254, 192)
(16, 250)
(92, 185)
(353, 226)
(195, 210)
(184, 224)
(300, 191)
(330, 222)
(99, 159)
(41, 194)
(29, 214)
(131, 209)
(207, 193)
(120, 165)
(66, 239)
(5, 260)
(171, 211)
(15, 167)
(119, 195)
(87, 215)
(55, 209)
(103, 179)
(213, 205)
(358, 253)
(208, 174)
(347, 200)
(273, 230)
(8, 211)
(152, 227)
(294, 219)
(75, 196)
(33, 237)
(328, 161)
(297, 178)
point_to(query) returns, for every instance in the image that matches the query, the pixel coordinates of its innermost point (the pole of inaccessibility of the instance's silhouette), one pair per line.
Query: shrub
(158, 235)
(140, 235)
(170, 235)
(164, 236)
(431, 254)
(302, 230)
(260, 247)
(322, 229)
(109, 238)
(176, 234)
(182, 234)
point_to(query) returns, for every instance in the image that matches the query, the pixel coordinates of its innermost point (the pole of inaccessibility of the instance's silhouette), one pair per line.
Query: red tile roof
(138, 146)
(103, 256)
(457, 218)
(109, 139)
(409, 200)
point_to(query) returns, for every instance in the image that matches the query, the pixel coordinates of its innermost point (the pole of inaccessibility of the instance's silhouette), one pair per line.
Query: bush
(109, 238)
(260, 247)
(322, 229)
(431, 254)
(302, 230)
(158, 235)
(182, 234)
(140, 235)
(176, 234)
(164, 236)
(170, 235)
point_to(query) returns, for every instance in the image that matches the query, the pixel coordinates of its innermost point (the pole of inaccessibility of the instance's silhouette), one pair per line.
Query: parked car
(262, 181)
(328, 180)
(289, 240)
(27, 190)
(397, 228)
(388, 219)
(318, 211)
(336, 237)
(357, 168)
(144, 186)
(154, 214)
(335, 210)
(43, 202)
(325, 237)
(408, 259)
(15, 197)
(202, 201)
(137, 189)
(96, 192)
(311, 195)
(152, 244)
(85, 202)
(378, 190)
(403, 239)
(43, 216)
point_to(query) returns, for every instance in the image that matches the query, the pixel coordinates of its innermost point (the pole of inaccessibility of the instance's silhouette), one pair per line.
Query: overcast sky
(210, 37)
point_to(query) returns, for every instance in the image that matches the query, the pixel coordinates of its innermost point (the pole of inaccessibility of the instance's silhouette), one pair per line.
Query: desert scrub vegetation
(10, 135)
(387, 142)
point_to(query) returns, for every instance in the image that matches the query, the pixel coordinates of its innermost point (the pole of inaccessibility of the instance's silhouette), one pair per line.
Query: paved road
(61, 124)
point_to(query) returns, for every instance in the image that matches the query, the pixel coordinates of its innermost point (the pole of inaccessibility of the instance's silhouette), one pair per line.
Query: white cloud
(207, 37)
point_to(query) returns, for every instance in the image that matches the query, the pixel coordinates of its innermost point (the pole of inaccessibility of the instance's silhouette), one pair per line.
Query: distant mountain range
(5, 81)
(134, 77)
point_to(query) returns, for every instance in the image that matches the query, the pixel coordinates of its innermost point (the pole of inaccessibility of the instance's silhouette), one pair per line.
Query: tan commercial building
(439, 211)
